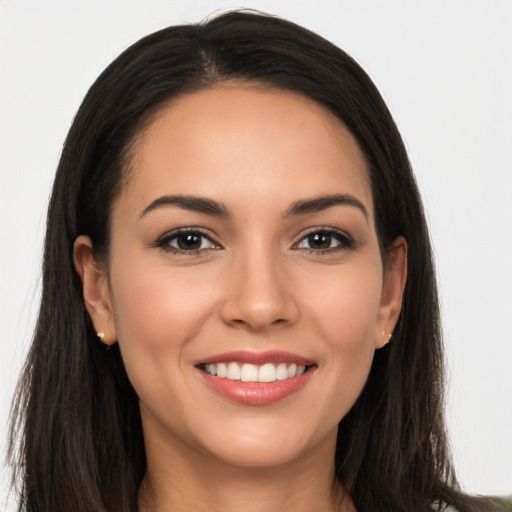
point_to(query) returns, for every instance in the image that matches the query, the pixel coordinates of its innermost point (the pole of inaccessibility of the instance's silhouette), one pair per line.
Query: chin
(262, 456)
(266, 448)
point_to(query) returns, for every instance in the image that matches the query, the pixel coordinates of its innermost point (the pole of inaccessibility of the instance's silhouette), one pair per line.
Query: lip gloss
(256, 393)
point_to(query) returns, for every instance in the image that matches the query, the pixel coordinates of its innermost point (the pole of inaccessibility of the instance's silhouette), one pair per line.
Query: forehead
(227, 141)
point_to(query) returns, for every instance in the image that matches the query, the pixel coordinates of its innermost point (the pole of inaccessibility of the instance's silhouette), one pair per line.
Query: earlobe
(395, 277)
(96, 291)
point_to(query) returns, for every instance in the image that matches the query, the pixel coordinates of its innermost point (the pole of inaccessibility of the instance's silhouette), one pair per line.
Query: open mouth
(246, 372)
(256, 378)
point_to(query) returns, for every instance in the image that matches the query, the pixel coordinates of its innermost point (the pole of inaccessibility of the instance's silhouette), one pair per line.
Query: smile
(254, 378)
(247, 372)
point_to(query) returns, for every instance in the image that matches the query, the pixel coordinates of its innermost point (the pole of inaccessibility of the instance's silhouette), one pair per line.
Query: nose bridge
(260, 293)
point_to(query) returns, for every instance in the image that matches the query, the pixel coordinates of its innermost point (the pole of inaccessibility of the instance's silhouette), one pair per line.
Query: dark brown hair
(76, 438)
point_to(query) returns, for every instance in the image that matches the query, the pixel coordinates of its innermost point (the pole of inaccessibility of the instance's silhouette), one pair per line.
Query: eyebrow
(318, 204)
(215, 208)
(194, 203)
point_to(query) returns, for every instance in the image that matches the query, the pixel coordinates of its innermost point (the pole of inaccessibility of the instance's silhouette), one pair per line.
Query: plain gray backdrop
(444, 68)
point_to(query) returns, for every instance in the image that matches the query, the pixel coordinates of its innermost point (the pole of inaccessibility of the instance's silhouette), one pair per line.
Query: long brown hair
(76, 435)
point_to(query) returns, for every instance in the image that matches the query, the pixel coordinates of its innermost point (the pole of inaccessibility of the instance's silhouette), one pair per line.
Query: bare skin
(303, 486)
(279, 254)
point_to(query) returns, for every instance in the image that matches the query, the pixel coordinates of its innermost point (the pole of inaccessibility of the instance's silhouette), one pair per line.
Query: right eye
(188, 242)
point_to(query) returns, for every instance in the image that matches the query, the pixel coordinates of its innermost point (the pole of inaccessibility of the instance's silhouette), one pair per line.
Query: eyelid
(163, 241)
(346, 241)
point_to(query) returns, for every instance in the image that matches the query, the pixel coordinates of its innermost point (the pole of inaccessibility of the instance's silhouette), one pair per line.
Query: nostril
(259, 302)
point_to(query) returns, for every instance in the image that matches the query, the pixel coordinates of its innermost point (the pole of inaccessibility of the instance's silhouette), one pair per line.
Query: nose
(260, 294)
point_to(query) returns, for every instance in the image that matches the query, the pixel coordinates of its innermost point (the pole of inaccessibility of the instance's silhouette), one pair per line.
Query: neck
(182, 479)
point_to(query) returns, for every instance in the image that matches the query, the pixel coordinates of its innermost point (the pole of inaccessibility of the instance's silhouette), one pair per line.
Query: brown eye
(320, 241)
(325, 241)
(187, 241)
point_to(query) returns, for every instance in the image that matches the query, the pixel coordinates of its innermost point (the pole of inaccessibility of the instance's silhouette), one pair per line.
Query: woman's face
(244, 245)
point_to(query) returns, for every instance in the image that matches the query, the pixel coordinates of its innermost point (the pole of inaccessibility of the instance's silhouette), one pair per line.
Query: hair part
(76, 434)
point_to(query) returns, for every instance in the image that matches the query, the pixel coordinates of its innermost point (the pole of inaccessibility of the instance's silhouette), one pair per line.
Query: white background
(445, 70)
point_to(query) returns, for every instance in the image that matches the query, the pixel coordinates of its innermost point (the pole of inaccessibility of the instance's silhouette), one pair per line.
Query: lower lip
(256, 393)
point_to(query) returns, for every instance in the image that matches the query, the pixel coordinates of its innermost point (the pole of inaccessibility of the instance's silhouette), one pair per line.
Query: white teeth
(253, 373)
(282, 372)
(233, 372)
(267, 373)
(222, 370)
(249, 373)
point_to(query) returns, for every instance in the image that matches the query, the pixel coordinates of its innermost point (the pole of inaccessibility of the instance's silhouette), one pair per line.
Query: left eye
(324, 241)
(188, 241)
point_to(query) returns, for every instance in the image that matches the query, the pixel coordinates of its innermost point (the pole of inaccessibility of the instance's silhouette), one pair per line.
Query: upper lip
(257, 358)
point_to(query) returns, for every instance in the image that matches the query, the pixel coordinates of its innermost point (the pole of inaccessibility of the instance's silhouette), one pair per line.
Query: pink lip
(257, 358)
(256, 393)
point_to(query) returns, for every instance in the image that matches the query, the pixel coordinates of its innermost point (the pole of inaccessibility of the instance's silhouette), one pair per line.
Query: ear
(395, 276)
(95, 289)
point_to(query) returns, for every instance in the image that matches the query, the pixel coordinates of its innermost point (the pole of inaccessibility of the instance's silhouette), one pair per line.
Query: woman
(239, 308)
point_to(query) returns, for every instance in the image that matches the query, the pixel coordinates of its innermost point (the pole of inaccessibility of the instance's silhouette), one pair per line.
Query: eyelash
(345, 242)
(165, 241)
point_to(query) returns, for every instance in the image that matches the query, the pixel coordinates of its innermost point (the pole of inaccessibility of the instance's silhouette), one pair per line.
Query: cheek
(354, 313)
(345, 305)
(155, 308)
(158, 312)
(344, 312)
